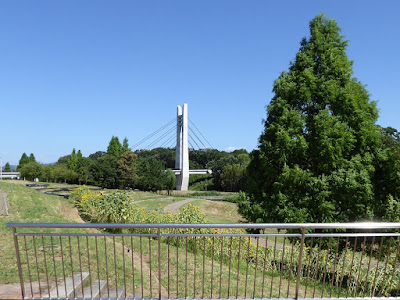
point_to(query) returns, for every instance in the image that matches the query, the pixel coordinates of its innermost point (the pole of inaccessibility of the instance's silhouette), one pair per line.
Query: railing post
(159, 262)
(303, 234)
(21, 280)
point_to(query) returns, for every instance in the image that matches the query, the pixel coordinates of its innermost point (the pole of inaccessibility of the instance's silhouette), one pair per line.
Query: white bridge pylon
(182, 170)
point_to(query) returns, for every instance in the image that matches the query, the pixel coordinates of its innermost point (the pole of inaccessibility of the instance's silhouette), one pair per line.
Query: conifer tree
(125, 146)
(114, 147)
(320, 150)
(73, 161)
(24, 160)
(7, 167)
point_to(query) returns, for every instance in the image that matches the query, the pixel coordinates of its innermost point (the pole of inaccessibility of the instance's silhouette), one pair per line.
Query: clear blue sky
(75, 73)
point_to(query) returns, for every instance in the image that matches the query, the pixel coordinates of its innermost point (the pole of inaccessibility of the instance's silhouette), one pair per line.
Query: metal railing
(296, 261)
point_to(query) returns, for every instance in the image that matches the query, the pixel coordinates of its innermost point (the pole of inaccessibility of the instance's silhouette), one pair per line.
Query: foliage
(73, 161)
(31, 170)
(233, 177)
(23, 160)
(229, 171)
(125, 146)
(7, 167)
(32, 157)
(61, 173)
(114, 147)
(320, 157)
(170, 180)
(127, 168)
(104, 172)
(151, 175)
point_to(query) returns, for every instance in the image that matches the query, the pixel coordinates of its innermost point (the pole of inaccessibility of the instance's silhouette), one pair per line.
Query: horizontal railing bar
(130, 298)
(360, 234)
(230, 235)
(163, 234)
(362, 225)
(216, 234)
(85, 234)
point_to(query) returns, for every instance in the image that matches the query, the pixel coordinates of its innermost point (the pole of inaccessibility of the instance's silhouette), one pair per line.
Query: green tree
(233, 178)
(31, 170)
(127, 168)
(150, 173)
(319, 153)
(73, 161)
(7, 167)
(217, 166)
(125, 146)
(114, 147)
(64, 159)
(24, 160)
(169, 180)
(104, 172)
(48, 173)
(63, 174)
(32, 157)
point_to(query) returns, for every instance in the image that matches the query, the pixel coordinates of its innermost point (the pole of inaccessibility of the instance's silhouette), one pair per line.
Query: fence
(3, 204)
(297, 261)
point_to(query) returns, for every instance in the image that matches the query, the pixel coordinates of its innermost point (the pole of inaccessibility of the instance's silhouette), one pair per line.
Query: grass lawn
(28, 205)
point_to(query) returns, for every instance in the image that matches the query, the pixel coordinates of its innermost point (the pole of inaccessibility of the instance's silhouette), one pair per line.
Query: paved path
(174, 207)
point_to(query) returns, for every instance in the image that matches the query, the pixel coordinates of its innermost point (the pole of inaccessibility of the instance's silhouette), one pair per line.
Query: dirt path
(174, 207)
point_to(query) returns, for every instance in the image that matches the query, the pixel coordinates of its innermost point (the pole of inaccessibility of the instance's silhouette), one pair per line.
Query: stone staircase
(76, 286)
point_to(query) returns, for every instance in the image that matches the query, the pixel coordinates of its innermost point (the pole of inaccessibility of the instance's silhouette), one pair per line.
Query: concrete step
(117, 294)
(73, 285)
(94, 291)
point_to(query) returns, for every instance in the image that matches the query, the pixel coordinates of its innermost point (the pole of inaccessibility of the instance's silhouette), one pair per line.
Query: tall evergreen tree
(320, 149)
(73, 161)
(32, 157)
(7, 167)
(125, 146)
(114, 147)
(24, 160)
(127, 168)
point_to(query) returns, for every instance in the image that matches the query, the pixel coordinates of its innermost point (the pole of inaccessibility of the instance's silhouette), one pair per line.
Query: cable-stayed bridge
(177, 133)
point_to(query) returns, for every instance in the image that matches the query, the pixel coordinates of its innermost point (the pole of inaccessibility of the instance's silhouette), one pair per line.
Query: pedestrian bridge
(10, 175)
(193, 171)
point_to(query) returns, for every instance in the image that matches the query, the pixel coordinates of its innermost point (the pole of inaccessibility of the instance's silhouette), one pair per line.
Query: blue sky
(75, 73)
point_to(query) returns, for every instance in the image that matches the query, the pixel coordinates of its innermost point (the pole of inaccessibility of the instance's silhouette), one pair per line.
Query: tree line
(148, 170)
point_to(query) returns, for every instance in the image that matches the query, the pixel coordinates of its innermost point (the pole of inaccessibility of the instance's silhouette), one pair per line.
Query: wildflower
(159, 204)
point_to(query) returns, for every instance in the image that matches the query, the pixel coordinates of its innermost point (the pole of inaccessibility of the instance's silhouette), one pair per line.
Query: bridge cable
(191, 145)
(154, 133)
(172, 145)
(194, 141)
(201, 133)
(160, 138)
(171, 138)
(190, 129)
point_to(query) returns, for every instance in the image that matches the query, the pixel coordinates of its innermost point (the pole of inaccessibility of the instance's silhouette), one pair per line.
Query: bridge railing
(296, 261)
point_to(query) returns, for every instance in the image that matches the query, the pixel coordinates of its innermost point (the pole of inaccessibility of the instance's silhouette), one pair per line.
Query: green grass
(26, 205)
